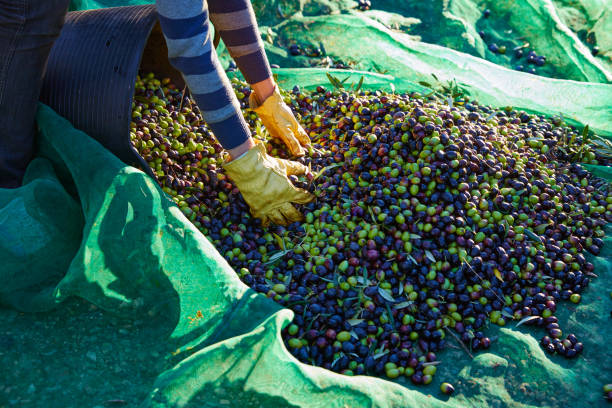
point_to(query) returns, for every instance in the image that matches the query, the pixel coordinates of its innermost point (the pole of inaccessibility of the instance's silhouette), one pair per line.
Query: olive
(447, 388)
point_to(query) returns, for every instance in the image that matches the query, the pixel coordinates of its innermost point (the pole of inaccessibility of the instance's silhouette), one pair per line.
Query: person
(29, 28)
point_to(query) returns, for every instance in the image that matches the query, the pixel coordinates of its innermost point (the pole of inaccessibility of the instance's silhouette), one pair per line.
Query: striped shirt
(186, 29)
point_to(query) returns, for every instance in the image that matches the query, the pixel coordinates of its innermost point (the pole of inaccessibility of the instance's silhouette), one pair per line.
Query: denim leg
(28, 29)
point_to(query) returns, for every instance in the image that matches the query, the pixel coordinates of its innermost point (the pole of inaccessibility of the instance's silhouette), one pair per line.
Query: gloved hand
(264, 184)
(280, 122)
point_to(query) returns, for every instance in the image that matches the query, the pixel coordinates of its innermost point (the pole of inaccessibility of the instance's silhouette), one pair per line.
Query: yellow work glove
(280, 122)
(264, 184)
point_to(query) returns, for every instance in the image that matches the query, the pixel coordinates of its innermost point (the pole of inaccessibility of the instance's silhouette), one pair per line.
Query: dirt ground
(40, 353)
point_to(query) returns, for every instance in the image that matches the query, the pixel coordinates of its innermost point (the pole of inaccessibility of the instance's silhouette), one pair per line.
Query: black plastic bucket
(92, 71)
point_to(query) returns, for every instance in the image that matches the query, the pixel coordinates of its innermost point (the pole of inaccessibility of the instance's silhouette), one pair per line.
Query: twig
(182, 98)
(463, 346)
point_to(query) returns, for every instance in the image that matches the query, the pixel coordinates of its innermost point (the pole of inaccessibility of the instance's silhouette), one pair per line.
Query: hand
(264, 184)
(280, 122)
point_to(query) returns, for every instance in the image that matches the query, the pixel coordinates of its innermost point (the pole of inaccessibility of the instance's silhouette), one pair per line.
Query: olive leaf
(359, 84)
(379, 355)
(533, 236)
(491, 116)
(334, 81)
(275, 257)
(526, 320)
(385, 294)
(312, 321)
(430, 256)
(337, 359)
(355, 322)
(324, 169)
(280, 241)
(541, 228)
(585, 135)
(363, 281)
(391, 320)
(403, 305)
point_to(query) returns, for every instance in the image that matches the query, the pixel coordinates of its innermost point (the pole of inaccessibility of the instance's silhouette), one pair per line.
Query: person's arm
(262, 180)
(186, 29)
(237, 26)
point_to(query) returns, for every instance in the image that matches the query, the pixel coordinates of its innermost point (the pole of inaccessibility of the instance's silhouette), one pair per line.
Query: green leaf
(605, 143)
(142, 99)
(276, 256)
(540, 229)
(379, 355)
(324, 169)
(359, 84)
(334, 81)
(573, 139)
(491, 116)
(532, 236)
(585, 134)
(403, 305)
(355, 322)
(391, 320)
(385, 294)
(280, 241)
(430, 256)
(526, 319)
(337, 359)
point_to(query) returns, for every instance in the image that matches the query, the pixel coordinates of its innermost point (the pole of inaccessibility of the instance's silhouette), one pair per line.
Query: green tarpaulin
(163, 321)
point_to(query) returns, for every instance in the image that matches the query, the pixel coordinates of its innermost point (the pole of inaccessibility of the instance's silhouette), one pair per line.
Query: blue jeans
(28, 29)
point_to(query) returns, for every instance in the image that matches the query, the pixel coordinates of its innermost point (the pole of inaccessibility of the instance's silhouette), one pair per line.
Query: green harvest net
(167, 323)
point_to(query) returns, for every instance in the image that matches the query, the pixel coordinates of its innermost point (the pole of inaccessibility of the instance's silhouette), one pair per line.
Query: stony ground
(76, 356)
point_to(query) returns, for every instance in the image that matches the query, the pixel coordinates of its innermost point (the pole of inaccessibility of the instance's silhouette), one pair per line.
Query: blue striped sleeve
(184, 27)
(213, 100)
(202, 64)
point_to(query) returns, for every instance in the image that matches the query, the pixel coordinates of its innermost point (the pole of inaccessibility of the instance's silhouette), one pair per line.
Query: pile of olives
(432, 221)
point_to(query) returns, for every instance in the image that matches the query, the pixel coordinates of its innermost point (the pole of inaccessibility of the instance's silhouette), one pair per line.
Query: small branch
(463, 346)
